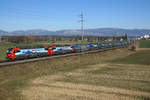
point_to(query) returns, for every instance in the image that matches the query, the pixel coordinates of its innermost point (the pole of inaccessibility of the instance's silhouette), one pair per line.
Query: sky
(65, 14)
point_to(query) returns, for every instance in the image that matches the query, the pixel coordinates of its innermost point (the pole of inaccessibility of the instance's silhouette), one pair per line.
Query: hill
(75, 32)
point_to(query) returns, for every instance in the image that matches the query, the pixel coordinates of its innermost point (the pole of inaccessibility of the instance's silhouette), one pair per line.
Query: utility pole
(82, 25)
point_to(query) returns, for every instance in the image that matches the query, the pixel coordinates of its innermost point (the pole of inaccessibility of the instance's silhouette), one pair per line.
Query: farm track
(6, 63)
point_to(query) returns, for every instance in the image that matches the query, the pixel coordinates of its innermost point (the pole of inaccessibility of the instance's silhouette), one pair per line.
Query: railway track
(7, 63)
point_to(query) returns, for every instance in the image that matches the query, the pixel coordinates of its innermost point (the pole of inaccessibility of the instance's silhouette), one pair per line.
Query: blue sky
(64, 14)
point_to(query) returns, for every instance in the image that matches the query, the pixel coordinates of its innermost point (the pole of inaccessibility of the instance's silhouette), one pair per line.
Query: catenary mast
(82, 25)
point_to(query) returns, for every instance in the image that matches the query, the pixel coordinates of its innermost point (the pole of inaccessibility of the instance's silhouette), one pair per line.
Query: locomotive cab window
(16, 51)
(53, 48)
(46, 48)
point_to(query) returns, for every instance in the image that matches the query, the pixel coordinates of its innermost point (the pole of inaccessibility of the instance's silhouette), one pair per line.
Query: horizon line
(77, 29)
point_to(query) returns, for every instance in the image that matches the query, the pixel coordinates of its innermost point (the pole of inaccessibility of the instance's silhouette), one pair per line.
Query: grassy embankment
(113, 75)
(141, 57)
(144, 44)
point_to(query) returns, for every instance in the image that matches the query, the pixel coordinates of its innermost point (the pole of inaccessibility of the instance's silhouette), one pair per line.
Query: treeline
(53, 39)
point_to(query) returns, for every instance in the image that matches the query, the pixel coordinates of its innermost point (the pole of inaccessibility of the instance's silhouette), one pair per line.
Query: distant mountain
(117, 31)
(34, 32)
(3, 33)
(73, 32)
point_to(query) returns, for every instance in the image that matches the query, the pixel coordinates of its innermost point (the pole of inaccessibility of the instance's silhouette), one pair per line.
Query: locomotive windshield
(9, 50)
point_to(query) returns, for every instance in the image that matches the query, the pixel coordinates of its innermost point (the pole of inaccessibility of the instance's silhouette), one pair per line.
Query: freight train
(20, 53)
